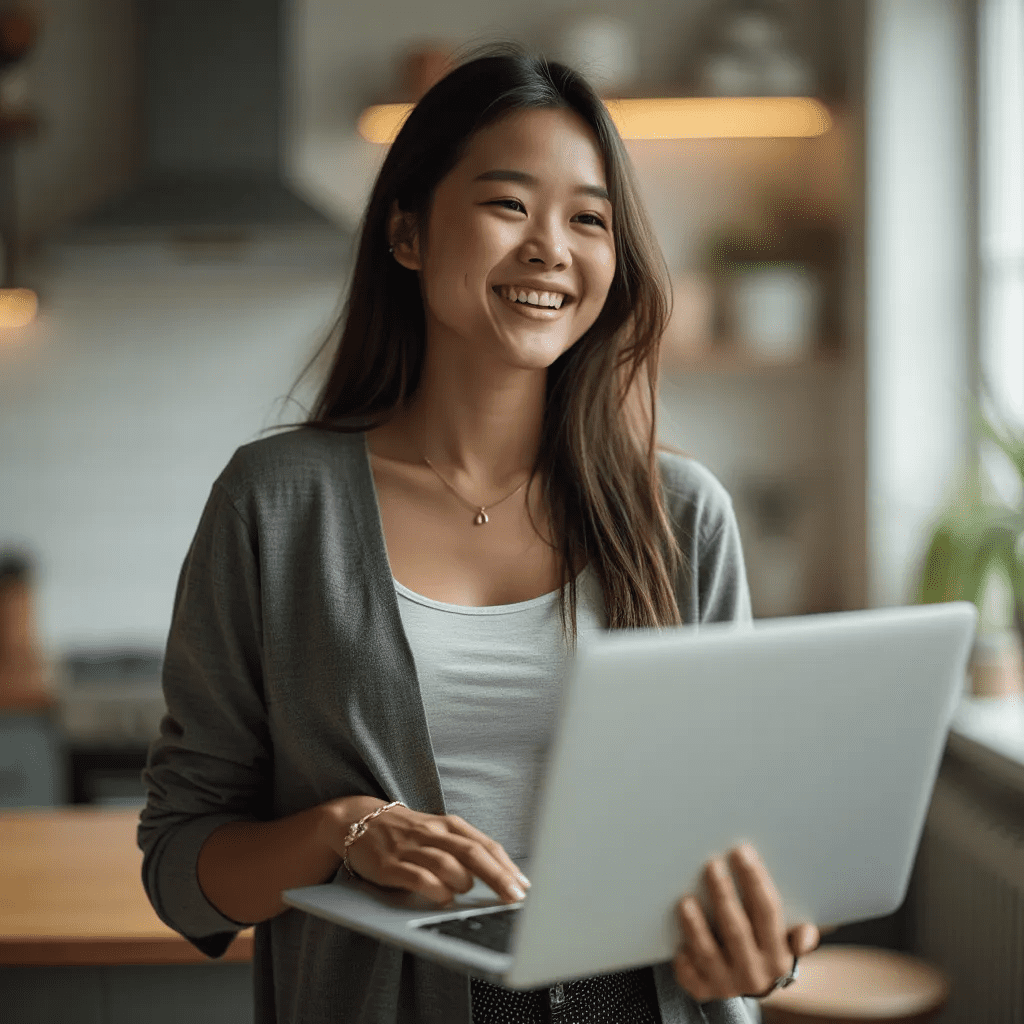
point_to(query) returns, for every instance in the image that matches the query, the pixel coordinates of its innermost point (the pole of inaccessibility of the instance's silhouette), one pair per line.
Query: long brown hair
(598, 452)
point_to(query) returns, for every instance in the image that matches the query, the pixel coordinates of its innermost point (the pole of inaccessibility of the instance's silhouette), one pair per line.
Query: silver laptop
(817, 739)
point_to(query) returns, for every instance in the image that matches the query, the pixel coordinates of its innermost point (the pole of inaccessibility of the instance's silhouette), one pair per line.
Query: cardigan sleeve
(211, 762)
(724, 594)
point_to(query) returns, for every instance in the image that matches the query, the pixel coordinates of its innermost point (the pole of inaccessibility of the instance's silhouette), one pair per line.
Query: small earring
(391, 250)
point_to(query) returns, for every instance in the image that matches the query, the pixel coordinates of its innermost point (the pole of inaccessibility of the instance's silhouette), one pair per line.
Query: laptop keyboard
(491, 930)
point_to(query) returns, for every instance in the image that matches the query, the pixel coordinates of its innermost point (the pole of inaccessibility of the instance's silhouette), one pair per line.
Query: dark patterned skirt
(628, 997)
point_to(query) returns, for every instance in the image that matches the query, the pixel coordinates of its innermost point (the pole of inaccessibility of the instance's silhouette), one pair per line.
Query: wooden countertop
(71, 893)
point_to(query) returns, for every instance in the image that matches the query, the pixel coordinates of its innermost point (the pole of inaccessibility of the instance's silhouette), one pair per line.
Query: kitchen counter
(71, 893)
(79, 942)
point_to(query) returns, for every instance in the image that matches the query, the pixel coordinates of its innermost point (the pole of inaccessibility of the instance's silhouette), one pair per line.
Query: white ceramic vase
(776, 310)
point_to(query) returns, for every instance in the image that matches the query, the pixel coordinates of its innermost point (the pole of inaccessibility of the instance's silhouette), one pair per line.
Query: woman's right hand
(435, 855)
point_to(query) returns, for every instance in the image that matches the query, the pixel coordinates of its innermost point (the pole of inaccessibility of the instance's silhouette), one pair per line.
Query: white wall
(117, 412)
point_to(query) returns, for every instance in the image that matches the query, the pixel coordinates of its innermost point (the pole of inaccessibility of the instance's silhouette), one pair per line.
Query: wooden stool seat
(847, 984)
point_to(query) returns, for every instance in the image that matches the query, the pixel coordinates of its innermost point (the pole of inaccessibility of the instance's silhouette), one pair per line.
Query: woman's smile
(534, 303)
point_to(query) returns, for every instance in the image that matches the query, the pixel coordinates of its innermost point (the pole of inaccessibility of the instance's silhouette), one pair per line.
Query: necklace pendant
(481, 518)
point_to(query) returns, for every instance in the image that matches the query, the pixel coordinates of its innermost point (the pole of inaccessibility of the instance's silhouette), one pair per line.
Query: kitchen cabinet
(31, 760)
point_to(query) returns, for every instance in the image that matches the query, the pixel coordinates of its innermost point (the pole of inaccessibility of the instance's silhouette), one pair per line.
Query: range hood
(211, 98)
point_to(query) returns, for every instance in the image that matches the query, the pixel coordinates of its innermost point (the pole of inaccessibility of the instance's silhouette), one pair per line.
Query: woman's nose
(547, 247)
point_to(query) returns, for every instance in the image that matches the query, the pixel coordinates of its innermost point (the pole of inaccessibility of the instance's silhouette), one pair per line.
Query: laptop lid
(817, 739)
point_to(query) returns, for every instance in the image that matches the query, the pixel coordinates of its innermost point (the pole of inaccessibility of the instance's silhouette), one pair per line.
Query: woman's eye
(509, 204)
(590, 218)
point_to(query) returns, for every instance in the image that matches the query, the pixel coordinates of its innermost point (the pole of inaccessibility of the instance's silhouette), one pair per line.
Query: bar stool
(859, 985)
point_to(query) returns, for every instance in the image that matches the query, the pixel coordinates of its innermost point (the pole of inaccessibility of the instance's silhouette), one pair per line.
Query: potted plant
(976, 553)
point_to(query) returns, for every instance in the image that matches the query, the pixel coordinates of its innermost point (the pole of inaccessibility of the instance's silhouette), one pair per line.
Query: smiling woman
(374, 618)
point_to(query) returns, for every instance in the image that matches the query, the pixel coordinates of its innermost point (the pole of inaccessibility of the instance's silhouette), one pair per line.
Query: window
(1001, 224)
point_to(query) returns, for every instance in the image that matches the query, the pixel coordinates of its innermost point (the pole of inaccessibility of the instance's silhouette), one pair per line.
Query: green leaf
(943, 568)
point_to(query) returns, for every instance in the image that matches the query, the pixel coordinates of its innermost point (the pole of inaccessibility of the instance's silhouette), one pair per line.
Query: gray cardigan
(289, 682)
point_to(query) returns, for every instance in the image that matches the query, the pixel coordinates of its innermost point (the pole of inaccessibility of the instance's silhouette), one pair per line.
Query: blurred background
(180, 188)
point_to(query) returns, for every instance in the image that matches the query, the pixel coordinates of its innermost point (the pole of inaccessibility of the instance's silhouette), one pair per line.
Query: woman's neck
(484, 428)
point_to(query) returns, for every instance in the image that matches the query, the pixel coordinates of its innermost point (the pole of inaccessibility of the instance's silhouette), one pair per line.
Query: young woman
(377, 606)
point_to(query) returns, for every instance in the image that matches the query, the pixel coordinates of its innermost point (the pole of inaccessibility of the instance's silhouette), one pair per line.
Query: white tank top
(491, 679)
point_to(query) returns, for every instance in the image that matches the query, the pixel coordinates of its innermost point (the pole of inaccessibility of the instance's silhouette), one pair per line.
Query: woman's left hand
(753, 947)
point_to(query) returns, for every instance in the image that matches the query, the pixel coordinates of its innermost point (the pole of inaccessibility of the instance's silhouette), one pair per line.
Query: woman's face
(519, 253)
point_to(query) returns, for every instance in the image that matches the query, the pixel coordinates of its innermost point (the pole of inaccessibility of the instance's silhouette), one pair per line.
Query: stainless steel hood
(211, 95)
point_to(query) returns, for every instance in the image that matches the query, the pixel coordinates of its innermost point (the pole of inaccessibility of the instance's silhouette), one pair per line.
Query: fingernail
(747, 855)
(523, 879)
(517, 892)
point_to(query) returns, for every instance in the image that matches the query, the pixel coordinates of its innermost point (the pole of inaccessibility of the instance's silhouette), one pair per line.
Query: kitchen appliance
(110, 703)
(212, 183)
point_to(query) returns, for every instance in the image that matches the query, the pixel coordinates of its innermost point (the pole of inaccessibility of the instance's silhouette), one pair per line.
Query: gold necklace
(481, 516)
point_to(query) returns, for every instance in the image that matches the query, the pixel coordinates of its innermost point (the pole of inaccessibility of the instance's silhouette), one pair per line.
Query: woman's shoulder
(693, 494)
(704, 522)
(293, 462)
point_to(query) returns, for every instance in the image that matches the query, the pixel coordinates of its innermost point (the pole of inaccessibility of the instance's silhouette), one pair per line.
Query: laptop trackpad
(480, 897)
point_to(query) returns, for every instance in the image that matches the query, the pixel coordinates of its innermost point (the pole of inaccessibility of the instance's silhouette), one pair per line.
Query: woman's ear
(404, 238)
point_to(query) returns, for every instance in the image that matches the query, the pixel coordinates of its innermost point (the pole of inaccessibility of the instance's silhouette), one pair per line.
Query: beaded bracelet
(356, 829)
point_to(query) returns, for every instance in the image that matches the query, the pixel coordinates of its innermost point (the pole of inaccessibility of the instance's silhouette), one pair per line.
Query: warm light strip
(755, 117)
(18, 307)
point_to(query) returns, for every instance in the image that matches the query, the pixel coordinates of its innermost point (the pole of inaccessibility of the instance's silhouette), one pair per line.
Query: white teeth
(550, 300)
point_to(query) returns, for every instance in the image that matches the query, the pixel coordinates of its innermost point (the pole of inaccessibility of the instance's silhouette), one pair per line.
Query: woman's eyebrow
(522, 178)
